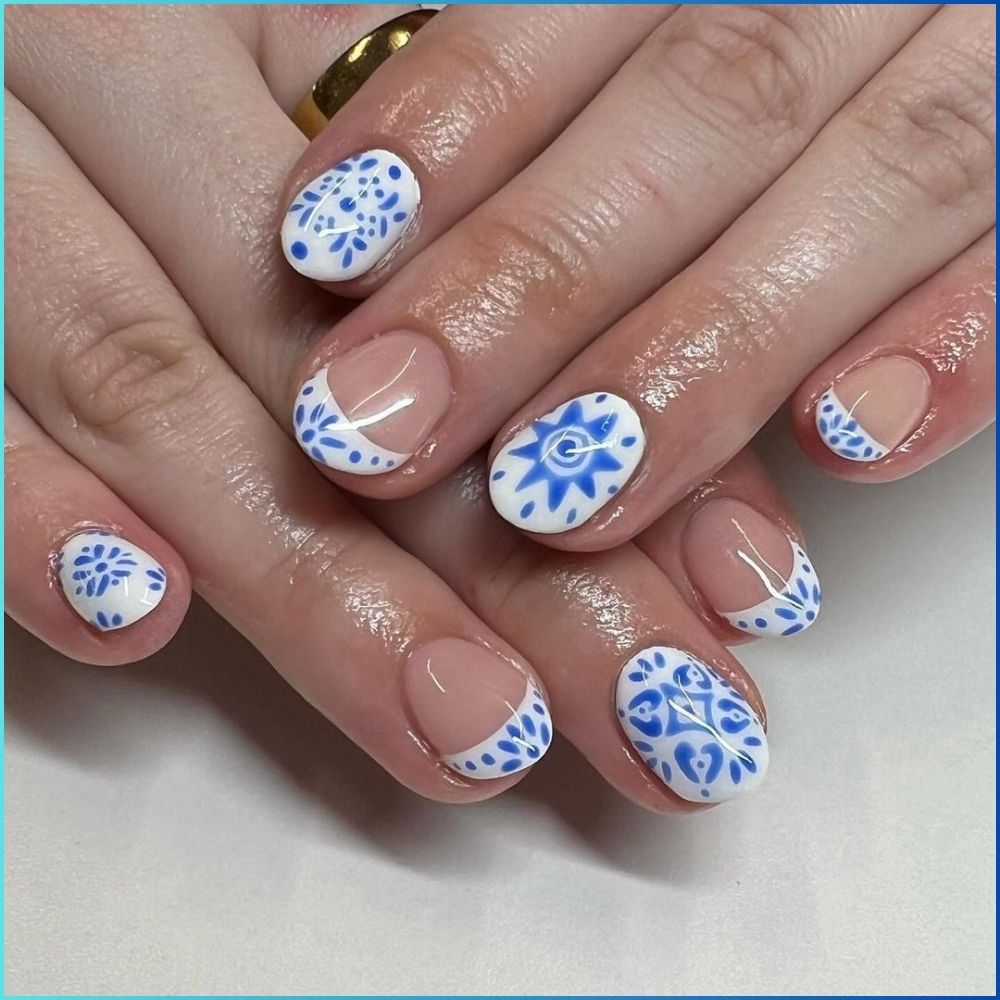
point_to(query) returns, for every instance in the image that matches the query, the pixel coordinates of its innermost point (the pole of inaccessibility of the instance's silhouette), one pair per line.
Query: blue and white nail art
(517, 744)
(694, 730)
(789, 609)
(108, 581)
(841, 432)
(327, 435)
(562, 468)
(344, 222)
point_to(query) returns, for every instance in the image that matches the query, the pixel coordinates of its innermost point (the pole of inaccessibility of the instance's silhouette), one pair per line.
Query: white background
(189, 825)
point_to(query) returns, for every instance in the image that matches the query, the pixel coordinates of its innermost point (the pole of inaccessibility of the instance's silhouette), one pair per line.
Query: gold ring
(344, 77)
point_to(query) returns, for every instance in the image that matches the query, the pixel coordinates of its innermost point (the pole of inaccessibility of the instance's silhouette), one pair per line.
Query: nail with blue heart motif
(481, 714)
(349, 218)
(695, 731)
(749, 571)
(109, 582)
(566, 465)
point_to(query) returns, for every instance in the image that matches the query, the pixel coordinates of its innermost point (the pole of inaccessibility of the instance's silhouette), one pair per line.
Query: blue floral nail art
(694, 730)
(842, 434)
(346, 220)
(562, 468)
(518, 744)
(327, 435)
(788, 610)
(108, 581)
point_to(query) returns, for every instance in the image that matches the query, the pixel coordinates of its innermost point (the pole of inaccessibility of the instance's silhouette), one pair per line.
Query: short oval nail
(874, 408)
(565, 466)
(347, 219)
(694, 730)
(368, 411)
(109, 582)
(749, 571)
(483, 716)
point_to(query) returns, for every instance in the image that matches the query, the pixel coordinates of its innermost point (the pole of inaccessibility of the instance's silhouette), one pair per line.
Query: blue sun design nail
(562, 468)
(346, 220)
(108, 581)
(693, 729)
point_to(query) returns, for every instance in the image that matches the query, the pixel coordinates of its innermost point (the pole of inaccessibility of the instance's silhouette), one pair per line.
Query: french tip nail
(109, 582)
(693, 730)
(556, 473)
(483, 716)
(348, 219)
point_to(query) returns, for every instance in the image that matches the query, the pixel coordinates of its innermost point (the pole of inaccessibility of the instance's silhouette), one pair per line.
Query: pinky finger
(917, 382)
(83, 572)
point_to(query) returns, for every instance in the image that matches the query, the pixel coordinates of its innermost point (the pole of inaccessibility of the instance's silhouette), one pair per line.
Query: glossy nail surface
(349, 218)
(873, 408)
(108, 581)
(694, 730)
(483, 716)
(563, 467)
(749, 571)
(368, 411)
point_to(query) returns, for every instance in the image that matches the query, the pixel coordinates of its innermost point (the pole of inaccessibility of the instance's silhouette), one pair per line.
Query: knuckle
(740, 69)
(133, 370)
(937, 137)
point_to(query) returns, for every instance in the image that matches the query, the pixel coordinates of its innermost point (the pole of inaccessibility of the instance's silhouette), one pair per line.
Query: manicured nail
(565, 466)
(345, 221)
(873, 408)
(749, 571)
(694, 730)
(108, 581)
(483, 716)
(370, 410)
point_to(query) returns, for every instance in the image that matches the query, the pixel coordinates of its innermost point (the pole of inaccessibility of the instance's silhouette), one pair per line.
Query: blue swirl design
(696, 732)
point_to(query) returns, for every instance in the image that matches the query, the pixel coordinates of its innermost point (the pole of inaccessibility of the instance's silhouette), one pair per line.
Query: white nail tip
(331, 438)
(694, 730)
(108, 581)
(347, 219)
(840, 431)
(790, 609)
(519, 743)
(562, 468)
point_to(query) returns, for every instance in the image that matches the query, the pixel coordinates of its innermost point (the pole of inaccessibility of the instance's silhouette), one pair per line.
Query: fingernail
(694, 730)
(370, 410)
(108, 581)
(565, 466)
(749, 571)
(873, 408)
(342, 223)
(483, 716)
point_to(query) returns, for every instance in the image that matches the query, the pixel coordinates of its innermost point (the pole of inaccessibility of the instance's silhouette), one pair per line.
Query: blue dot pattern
(517, 744)
(790, 609)
(346, 220)
(693, 729)
(842, 434)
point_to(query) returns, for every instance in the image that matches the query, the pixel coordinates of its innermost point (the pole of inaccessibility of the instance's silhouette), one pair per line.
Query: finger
(641, 687)
(735, 552)
(914, 384)
(82, 571)
(443, 124)
(107, 358)
(692, 129)
(899, 183)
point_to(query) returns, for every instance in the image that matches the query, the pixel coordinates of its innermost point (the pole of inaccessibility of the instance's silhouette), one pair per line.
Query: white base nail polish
(344, 222)
(790, 609)
(841, 432)
(563, 467)
(694, 730)
(518, 744)
(331, 438)
(108, 581)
